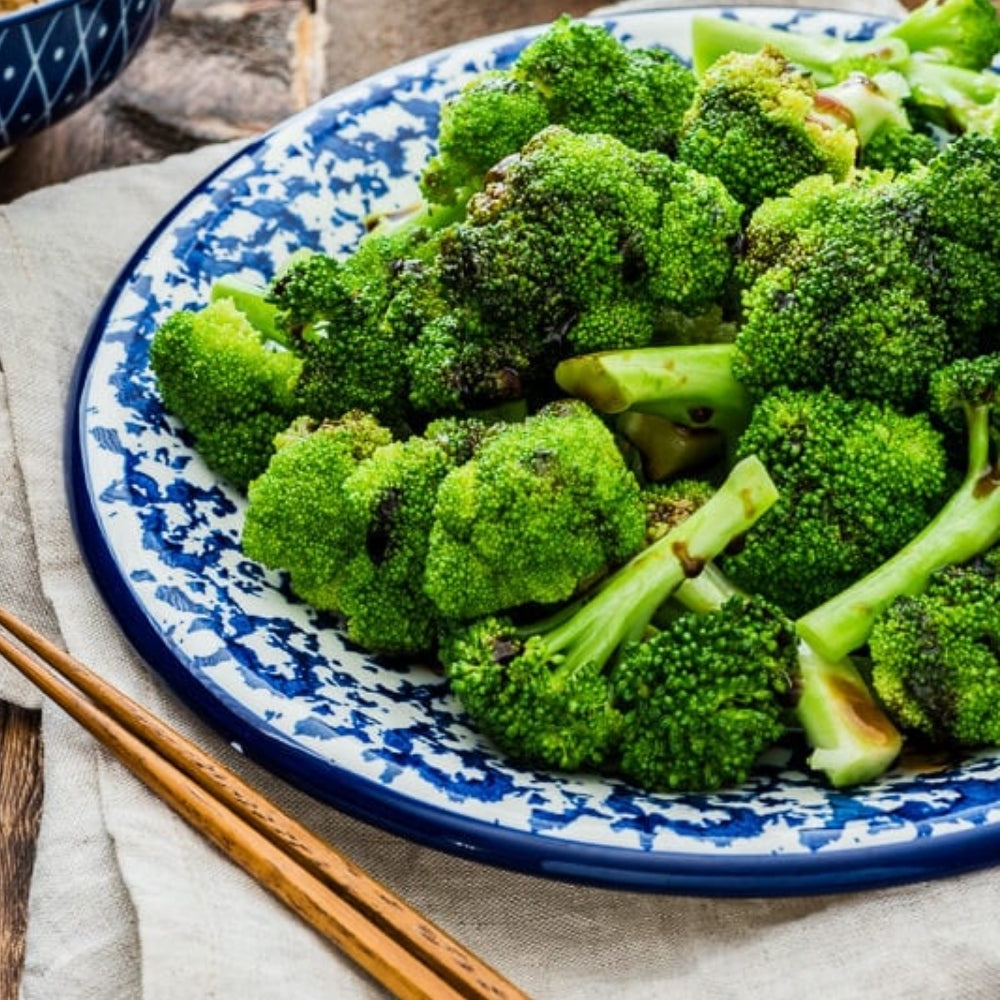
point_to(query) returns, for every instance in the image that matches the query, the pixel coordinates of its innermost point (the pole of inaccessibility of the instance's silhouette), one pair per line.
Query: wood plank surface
(20, 809)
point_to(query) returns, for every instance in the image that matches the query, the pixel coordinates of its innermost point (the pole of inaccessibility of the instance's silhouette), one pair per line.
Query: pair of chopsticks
(392, 942)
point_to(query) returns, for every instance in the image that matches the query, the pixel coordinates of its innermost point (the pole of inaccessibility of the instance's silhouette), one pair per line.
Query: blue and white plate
(383, 742)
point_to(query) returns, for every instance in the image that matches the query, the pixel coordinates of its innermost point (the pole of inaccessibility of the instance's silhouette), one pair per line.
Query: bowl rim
(31, 10)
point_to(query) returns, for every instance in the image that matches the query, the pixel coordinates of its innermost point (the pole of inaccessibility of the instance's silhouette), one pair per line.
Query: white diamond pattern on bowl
(55, 57)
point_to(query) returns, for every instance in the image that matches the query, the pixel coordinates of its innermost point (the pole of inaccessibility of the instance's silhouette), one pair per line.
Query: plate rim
(743, 874)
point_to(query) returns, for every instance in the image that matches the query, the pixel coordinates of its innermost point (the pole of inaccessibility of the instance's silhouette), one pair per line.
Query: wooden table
(246, 65)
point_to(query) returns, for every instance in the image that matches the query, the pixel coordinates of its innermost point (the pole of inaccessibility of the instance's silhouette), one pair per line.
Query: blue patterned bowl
(55, 56)
(383, 741)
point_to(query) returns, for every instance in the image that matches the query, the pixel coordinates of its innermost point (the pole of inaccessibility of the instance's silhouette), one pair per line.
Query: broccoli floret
(582, 241)
(575, 74)
(594, 83)
(851, 739)
(756, 124)
(879, 290)
(542, 692)
(233, 389)
(297, 518)
(966, 525)
(392, 496)
(329, 311)
(936, 656)
(544, 508)
(491, 117)
(857, 479)
(704, 697)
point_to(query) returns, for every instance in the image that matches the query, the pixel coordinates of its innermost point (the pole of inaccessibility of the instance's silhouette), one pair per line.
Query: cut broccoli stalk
(968, 523)
(691, 385)
(828, 59)
(851, 738)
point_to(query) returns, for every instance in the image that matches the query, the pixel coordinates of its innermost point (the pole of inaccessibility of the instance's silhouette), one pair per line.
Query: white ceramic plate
(386, 743)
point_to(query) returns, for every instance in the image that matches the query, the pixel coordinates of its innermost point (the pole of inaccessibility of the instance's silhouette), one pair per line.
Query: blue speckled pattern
(57, 55)
(386, 742)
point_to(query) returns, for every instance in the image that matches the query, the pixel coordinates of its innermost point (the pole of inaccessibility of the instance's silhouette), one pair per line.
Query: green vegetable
(965, 526)
(936, 655)
(233, 389)
(756, 124)
(574, 74)
(544, 692)
(543, 509)
(941, 50)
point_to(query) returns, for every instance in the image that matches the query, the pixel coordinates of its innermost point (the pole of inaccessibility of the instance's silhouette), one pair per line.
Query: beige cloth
(129, 904)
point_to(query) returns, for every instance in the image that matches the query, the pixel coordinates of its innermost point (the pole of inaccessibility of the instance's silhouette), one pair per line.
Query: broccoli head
(936, 655)
(232, 388)
(542, 692)
(594, 83)
(878, 288)
(704, 697)
(493, 116)
(297, 518)
(544, 508)
(584, 241)
(857, 480)
(575, 74)
(756, 123)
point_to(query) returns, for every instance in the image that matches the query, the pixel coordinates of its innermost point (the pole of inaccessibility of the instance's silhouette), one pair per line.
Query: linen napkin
(130, 904)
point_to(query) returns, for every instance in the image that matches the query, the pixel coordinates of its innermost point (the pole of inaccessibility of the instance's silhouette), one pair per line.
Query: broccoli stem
(691, 385)
(962, 98)
(625, 603)
(966, 525)
(867, 104)
(714, 37)
(851, 738)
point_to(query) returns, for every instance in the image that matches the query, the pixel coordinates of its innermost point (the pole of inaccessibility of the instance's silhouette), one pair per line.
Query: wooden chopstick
(400, 948)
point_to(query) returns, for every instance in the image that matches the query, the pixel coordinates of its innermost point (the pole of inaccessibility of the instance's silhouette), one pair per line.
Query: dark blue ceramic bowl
(56, 55)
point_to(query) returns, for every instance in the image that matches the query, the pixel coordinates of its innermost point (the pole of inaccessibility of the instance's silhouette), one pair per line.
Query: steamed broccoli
(756, 124)
(297, 518)
(966, 525)
(936, 655)
(543, 692)
(857, 479)
(850, 737)
(883, 280)
(575, 74)
(233, 388)
(544, 508)
(705, 696)
(584, 242)
(941, 50)
(594, 83)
